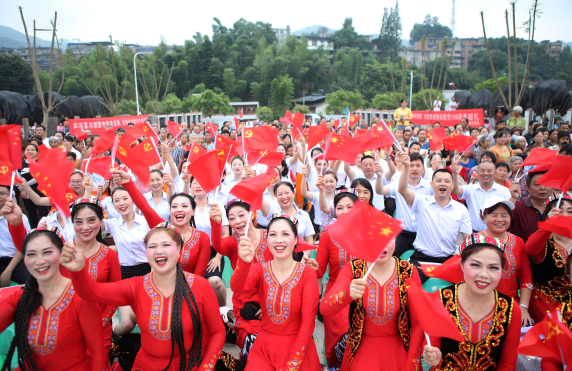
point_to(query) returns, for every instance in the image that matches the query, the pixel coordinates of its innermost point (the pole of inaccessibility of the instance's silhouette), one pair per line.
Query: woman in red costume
(549, 252)
(50, 332)
(487, 319)
(330, 252)
(238, 215)
(170, 306)
(288, 292)
(382, 333)
(196, 251)
(497, 214)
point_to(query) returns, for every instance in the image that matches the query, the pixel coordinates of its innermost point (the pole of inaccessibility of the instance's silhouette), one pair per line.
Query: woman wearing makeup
(289, 295)
(487, 319)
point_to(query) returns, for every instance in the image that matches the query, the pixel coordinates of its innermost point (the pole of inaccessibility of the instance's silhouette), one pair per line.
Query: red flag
(174, 129)
(297, 130)
(103, 143)
(432, 315)
(539, 156)
(345, 129)
(11, 146)
(303, 245)
(559, 224)
(337, 123)
(196, 151)
(460, 143)
(212, 128)
(236, 122)
(99, 165)
(365, 231)
(251, 190)
(559, 176)
(316, 134)
(354, 119)
(42, 147)
(241, 112)
(139, 130)
(339, 147)
(549, 338)
(359, 133)
(53, 177)
(71, 196)
(435, 138)
(449, 271)
(379, 136)
(139, 158)
(224, 142)
(260, 138)
(298, 119)
(289, 116)
(81, 136)
(270, 158)
(207, 168)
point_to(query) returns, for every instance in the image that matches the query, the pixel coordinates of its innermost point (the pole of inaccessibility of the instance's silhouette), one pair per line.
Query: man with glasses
(12, 266)
(76, 183)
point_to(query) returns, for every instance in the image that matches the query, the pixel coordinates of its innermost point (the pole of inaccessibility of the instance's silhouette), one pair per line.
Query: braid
(193, 223)
(196, 347)
(177, 334)
(30, 300)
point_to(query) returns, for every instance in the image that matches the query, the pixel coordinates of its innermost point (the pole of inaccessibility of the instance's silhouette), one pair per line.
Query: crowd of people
(153, 255)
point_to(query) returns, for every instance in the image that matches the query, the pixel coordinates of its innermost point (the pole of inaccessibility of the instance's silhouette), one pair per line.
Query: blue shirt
(469, 165)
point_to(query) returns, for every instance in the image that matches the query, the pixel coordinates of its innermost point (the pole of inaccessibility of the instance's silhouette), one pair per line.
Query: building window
(314, 43)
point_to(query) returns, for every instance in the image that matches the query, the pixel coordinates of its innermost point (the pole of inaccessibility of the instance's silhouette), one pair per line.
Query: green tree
(347, 36)
(188, 101)
(491, 85)
(339, 100)
(281, 93)
(229, 82)
(298, 108)
(128, 107)
(15, 74)
(386, 101)
(198, 89)
(264, 114)
(209, 103)
(419, 100)
(565, 67)
(172, 104)
(429, 28)
(389, 42)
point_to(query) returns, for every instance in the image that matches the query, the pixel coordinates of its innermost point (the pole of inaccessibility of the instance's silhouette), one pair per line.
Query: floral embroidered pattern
(210, 365)
(475, 332)
(341, 254)
(188, 247)
(527, 286)
(157, 309)
(510, 259)
(387, 291)
(336, 299)
(94, 260)
(294, 364)
(259, 253)
(278, 306)
(48, 343)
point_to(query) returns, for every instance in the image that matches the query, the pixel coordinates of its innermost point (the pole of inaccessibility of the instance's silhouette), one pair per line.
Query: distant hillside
(16, 39)
(309, 30)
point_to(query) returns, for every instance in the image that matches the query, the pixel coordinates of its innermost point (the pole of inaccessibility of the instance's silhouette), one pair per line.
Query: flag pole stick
(369, 271)
(114, 151)
(516, 174)
(244, 147)
(260, 158)
(557, 204)
(158, 154)
(248, 223)
(12, 183)
(427, 339)
(87, 163)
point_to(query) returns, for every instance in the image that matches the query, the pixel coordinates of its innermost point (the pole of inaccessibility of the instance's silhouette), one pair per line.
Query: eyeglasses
(3, 194)
(76, 181)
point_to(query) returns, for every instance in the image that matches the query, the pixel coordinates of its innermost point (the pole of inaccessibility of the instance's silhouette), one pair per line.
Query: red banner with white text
(98, 125)
(476, 117)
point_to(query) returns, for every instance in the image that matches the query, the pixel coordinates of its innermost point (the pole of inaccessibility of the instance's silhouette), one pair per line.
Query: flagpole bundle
(158, 154)
(12, 184)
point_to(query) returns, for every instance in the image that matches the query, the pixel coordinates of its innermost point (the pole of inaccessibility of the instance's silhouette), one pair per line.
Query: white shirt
(437, 105)
(130, 243)
(73, 150)
(52, 221)
(476, 198)
(7, 247)
(263, 219)
(163, 209)
(403, 212)
(203, 220)
(438, 228)
(319, 216)
(222, 196)
(305, 227)
(453, 106)
(107, 205)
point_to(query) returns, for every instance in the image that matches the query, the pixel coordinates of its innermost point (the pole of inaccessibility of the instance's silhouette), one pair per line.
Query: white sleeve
(224, 219)
(26, 223)
(466, 226)
(418, 203)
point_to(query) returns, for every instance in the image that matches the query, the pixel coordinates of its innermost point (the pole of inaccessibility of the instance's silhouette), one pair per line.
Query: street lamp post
(135, 73)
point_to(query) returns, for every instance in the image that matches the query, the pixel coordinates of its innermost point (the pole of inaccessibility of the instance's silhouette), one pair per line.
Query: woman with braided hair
(172, 307)
(50, 332)
(290, 294)
(195, 253)
(488, 320)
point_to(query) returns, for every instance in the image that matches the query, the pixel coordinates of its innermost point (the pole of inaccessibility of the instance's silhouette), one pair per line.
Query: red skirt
(540, 304)
(271, 352)
(334, 328)
(376, 353)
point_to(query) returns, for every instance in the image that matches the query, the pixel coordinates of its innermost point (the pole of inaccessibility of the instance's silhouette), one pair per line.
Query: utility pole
(135, 73)
(453, 19)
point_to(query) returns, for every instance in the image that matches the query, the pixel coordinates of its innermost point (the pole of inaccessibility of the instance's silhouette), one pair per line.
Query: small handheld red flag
(53, 177)
(316, 134)
(81, 136)
(139, 158)
(449, 271)
(559, 176)
(269, 158)
(224, 142)
(140, 130)
(379, 136)
(103, 143)
(260, 138)
(339, 147)
(435, 138)
(99, 165)
(251, 190)
(196, 151)
(538, 156)
(174, 129)
(549, 338)
(11, 146)
(460, 143)
(212, 128)
(207, 168)
(559, 224)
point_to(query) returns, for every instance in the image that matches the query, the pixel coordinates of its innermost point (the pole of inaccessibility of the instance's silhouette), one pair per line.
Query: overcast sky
(145, 21)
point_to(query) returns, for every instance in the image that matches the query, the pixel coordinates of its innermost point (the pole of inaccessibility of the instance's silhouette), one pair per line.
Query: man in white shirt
(452, 104)
(12, 266)
(367, 167)
(404, 213)
(476, 194)
(41, 131)
(440, 219)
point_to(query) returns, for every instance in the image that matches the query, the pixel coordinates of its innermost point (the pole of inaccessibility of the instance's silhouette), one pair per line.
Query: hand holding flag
(139, 158)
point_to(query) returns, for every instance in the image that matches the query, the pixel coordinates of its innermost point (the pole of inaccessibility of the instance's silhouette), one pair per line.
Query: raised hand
(215, 214)
(72, 259)
(167, 180)
(311, 262)
(12, 212)
(377, 169)
(245, 249)
(120, 177)
(320, 184)
(514, 190)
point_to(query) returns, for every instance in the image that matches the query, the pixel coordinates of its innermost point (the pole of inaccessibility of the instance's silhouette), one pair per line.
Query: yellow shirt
(406, 115)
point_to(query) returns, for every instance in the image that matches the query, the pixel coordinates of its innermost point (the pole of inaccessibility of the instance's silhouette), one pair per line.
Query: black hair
(566, 149)
(193, 204)
(72, 155)
(286, 135)
(225, 131)
(41, 126)
(365, 157)
(30, 300)
(284, 168)
(288, 147)
(366, 184)
(69, 138)
(157, 171)
(490, 155)
(496, 206)
(288, 184)
(477, 129)
(501, 133)
(98, 212)
(237, 203)
(330, 172)
(401, 101)
(501, 122)
(315, 149)
(433, 154)
(416, 157)
(441, 171)
(468, 252)
(530, 175)
(118, 188)
(563, 134)
(551, 205)
(415, 143)
(290, 223)
(237, 158)
(77, 173)
(340, 196)
(31, 144)
(120, 130)
(502, 164)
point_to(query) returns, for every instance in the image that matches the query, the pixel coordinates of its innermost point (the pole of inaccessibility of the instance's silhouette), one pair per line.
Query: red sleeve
(92, 334)
(464, 174)
(120, 293)
(339, 295)
(535, 244)
(417, 334)
(114, 276)
(310, 299)
(150, 215)
(204, 254)
(214, 326)
(524, 273)
(8, 304)
(225, 246)
(18, 234)
(509, 354)
(322, 256)
(245, 275)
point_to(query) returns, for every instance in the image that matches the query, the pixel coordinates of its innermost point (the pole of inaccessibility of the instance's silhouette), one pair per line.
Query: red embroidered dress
(490, 343)
(59, 336)
(288, 316)
(153, 313)
(196, 250)
(335, 326)
(228, 247)
(549, 273)
(379, 342)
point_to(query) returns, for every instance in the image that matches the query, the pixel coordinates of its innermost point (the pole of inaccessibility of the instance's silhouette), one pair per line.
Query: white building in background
(282, 34)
